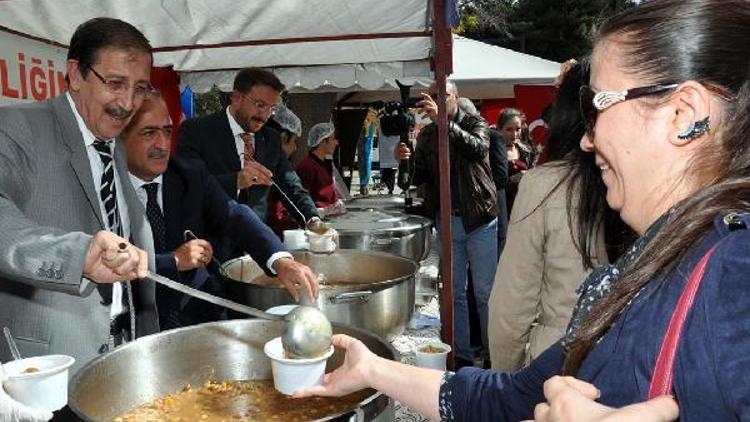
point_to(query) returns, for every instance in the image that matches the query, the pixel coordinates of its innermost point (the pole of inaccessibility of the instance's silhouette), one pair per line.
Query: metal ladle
(307, 331)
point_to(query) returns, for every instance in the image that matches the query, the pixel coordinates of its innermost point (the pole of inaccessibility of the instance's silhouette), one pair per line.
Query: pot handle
(383, 241)
(352, 297)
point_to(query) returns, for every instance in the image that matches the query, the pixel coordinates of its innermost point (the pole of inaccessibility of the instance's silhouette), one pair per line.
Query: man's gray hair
(467, 106)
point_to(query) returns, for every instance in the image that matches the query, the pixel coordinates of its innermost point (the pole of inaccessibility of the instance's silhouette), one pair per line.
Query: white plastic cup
(295, 239)
(429, 359)
(289, 375)
(321, 243)
(46, 389)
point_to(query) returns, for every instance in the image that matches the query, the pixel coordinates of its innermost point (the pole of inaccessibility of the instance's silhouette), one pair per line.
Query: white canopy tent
(312, 44)
(487, 71)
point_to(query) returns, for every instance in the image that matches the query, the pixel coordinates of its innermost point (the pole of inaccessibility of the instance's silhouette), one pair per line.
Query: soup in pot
(240, 401)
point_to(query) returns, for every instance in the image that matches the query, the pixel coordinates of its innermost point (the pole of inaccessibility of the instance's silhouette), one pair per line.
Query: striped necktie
(107, 190)
(108, 196)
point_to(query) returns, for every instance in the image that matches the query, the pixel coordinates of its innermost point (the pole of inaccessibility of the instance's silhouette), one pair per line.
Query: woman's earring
(696, 129)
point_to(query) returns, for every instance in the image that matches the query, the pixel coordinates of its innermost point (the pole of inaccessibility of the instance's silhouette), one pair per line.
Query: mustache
(118, 112)
(157, 153)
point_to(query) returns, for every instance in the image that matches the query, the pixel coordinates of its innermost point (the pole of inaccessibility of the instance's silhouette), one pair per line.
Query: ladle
(307, 331)
(11, 344)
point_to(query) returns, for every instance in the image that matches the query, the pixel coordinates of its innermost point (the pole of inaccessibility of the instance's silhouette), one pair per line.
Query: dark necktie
(107, 191)
(155, 217)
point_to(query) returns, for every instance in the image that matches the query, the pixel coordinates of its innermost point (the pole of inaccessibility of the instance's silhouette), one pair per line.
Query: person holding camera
(473, 206)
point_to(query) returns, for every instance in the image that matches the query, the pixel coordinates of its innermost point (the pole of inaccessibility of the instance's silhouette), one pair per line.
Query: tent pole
(442, 62)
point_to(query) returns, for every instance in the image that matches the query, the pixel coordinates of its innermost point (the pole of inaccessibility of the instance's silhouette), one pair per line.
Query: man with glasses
(68, 214)
(243, 153)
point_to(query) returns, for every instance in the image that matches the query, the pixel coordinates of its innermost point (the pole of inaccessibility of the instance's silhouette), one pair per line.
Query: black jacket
(498, 159)
(469, 155)
(209, 138)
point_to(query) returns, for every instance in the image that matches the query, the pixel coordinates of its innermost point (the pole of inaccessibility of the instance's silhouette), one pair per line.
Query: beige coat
(538, 274)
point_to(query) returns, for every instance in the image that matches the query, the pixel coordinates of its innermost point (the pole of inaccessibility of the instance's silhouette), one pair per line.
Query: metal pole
(442, 60)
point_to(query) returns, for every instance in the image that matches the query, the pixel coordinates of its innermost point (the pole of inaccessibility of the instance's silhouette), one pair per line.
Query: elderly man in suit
(180, 195)
(67, 212)
(242, 152)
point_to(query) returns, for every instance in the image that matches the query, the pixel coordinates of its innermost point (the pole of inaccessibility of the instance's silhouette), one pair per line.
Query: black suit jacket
(193, 200)
(209, 138)
(498, 159)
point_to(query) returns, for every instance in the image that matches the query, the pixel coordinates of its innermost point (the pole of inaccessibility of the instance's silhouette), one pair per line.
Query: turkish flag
(532, 100)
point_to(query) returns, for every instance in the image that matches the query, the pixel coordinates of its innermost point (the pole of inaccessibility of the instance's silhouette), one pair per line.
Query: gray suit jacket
(49, 210)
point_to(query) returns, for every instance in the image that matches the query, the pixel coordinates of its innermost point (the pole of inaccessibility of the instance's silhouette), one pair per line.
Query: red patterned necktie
(247, 139)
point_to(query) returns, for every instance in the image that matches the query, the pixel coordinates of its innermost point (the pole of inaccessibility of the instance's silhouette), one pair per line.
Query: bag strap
(661, 380)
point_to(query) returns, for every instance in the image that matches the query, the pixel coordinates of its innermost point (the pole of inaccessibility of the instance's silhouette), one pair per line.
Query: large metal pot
(383, 230)
(160, 364)
(369, 290)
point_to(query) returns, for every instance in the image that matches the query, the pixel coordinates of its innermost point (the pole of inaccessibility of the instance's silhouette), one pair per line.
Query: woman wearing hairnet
(316, 170)
(289, 127)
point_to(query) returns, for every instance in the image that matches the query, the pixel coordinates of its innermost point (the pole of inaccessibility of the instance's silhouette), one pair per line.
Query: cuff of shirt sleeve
(274, 257)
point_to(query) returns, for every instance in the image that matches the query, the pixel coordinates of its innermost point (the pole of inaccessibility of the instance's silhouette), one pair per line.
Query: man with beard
(67, 212)
(242, 152)
(179, 195)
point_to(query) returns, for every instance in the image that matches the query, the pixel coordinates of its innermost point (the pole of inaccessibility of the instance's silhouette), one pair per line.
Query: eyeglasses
(118, 86)
(592, 102)
(263, 106)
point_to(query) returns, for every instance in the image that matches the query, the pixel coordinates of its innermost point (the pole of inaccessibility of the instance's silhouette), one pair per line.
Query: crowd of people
(608, 276)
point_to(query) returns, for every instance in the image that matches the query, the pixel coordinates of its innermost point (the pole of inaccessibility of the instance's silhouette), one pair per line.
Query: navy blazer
(209, 138)
(193, 200)
(711, 369)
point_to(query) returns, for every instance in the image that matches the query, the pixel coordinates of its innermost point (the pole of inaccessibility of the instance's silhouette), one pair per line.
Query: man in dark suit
(241, 151)
(66, 206)
(180, 195)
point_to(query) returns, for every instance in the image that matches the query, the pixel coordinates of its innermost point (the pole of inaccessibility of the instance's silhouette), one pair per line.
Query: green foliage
(209, 102)
(553, 29)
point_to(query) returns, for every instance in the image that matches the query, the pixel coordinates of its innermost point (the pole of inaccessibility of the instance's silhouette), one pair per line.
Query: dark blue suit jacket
(193, 200)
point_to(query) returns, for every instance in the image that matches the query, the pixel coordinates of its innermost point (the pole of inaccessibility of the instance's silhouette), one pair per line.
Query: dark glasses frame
(592, 102)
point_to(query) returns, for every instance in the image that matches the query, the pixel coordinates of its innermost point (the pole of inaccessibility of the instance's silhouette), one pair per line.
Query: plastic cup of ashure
(295, 239)
(432, 355)
(289, 375)
(40, 382)
(321, 243)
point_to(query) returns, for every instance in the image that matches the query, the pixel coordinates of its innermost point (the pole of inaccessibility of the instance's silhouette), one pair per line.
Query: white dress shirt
(97, 168)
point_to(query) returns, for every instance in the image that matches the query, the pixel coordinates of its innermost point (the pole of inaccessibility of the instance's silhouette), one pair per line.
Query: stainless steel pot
(383, 230)
(160, 364)
(369, 290)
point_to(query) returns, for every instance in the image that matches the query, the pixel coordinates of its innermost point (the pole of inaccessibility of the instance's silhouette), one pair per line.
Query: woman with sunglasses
(668, 120)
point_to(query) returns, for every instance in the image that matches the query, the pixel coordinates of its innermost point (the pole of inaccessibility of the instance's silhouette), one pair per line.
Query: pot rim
(378, 285)
(75, 379)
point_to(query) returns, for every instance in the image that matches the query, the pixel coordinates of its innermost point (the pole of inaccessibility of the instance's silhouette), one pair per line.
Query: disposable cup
(289, 375)
(432, 355)
(295, 239)
(321, 243)
(40, 382)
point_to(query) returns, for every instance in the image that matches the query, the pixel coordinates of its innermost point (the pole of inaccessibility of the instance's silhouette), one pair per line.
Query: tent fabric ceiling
(312, 45)
(372, 41)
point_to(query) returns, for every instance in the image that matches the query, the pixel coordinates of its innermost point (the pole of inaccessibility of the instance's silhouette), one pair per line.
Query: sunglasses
(592, 102)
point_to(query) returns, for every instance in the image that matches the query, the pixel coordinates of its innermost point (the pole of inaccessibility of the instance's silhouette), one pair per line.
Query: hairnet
(288, 120)
(318, 133)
